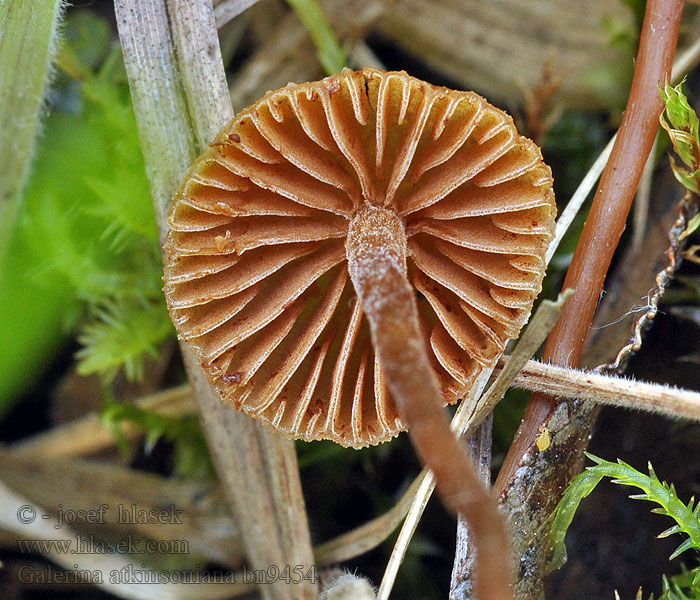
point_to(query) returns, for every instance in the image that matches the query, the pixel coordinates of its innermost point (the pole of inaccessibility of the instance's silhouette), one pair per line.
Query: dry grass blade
(461, 581)
(87, 435)
(425, 489)
(538, 329)
(165, 46)
(226, 10)
(204, 525)
(606, 389)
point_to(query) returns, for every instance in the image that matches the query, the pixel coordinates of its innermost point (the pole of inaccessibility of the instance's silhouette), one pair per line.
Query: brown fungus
(350, 252)
(256, 274)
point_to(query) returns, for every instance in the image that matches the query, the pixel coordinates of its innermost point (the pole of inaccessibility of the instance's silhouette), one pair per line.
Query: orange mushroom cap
(256, 274)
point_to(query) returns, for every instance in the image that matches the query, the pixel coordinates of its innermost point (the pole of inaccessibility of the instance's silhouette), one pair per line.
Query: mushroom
(348, 254)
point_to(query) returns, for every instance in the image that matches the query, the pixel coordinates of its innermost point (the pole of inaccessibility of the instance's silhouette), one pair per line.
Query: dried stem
(608, 214)
(87, 435)
(562, 382)
(376, 250)
(479, 444)
(180, 97)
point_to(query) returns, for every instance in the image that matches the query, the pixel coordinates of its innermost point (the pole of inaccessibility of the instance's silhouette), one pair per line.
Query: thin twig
(685, 61)
(608, 213)
(568, 383)
(688, 206)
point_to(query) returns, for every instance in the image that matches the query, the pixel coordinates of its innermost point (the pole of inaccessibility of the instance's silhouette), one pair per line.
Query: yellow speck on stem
(543, 440)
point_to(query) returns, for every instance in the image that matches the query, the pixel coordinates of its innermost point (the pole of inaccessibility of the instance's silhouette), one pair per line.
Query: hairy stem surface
(376, 251)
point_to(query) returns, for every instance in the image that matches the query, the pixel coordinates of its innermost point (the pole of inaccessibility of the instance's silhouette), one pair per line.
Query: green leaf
(191, 456)
(623, 474)
(682, 125)
(580, 486)
(678, 112)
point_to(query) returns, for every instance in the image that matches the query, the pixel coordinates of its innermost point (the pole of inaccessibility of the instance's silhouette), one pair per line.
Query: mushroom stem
(376, 252)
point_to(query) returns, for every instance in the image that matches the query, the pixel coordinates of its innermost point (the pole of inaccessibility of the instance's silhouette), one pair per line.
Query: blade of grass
(332, 57)
(178, 88)
(28, 32)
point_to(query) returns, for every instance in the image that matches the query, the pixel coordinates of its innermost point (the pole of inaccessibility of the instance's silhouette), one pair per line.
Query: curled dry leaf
(256, 273)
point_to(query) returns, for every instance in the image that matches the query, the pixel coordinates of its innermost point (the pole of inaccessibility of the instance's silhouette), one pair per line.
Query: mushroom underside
(257, 276)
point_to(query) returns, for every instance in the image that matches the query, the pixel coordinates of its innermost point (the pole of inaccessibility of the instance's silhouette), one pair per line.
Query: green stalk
(333, 58)
(27, 46)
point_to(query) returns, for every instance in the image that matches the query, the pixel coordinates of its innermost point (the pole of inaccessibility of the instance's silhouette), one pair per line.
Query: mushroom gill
(256, 272)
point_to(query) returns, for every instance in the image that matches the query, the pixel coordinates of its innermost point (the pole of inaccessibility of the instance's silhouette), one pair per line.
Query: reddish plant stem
(376, 251)
(606, 220)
